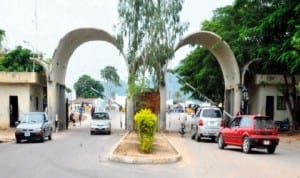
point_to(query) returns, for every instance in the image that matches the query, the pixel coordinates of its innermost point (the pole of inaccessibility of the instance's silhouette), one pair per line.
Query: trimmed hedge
(146, 123)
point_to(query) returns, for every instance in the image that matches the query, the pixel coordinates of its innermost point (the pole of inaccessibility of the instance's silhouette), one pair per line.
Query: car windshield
(101, 116)
(263, 122)
(211, 113)
(32, 118)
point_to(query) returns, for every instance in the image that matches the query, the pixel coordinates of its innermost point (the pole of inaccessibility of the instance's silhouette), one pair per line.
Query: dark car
(33, 126)
(250, 131)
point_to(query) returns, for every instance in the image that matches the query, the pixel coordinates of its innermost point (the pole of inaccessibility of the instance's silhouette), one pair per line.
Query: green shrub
(146, 123)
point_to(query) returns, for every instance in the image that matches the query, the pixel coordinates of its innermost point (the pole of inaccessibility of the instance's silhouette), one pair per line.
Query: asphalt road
(77, 154)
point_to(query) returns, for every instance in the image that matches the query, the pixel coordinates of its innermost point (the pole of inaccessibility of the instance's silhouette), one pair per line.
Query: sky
(39, 25)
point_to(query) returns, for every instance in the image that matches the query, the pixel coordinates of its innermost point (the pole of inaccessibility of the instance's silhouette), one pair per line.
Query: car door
(230, 134)
(243, 129)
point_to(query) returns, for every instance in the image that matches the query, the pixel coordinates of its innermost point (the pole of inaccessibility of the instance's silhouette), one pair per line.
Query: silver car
(100, 123)
(206, 123)
(33, 126)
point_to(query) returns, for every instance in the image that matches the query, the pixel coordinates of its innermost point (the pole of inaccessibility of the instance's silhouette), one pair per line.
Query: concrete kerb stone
(142, 160)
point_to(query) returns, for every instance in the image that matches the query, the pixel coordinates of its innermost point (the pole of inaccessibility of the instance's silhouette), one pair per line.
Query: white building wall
(272, 90)
(268, 85)
(24, 85)
(20, 90)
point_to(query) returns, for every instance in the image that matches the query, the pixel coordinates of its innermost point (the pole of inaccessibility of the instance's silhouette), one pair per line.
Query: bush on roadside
(146, 123)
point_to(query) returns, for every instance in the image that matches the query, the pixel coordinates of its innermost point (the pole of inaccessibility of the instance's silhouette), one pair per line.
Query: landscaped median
(127, 150)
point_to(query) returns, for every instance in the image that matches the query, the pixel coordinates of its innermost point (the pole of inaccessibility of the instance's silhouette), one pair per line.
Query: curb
(139, 160)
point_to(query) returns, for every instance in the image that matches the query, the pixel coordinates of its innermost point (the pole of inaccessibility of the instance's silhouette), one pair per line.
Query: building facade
(20, 92)
(265, 97)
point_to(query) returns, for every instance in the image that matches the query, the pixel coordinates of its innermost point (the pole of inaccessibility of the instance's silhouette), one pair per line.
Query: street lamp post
(33, 51)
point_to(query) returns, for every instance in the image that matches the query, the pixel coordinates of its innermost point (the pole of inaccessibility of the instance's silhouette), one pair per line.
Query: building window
(281, 103)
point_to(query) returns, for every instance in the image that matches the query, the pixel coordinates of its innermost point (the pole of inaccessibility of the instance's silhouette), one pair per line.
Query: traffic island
(127, 151)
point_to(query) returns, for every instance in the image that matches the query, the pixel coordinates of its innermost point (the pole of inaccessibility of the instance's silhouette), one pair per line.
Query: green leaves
(110, 75)
(146, 123)
(18, 60)
(149, 30)
(266, 29)
(86, 87)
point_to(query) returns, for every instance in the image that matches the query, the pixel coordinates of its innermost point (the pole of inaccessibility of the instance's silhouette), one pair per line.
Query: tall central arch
(57, 71)
(224, 55)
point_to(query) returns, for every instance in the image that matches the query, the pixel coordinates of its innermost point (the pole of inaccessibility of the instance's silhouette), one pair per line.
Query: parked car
(100, 123)
(33, 126)
(250, 131)
(206, 123)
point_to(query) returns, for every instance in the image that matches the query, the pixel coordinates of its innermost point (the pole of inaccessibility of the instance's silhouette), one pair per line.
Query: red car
(250, 131)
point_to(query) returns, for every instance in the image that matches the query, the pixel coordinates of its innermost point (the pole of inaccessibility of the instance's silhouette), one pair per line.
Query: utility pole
(194, 89)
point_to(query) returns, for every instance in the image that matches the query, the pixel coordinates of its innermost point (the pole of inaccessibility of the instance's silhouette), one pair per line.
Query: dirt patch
(129, 146)
(7, 134)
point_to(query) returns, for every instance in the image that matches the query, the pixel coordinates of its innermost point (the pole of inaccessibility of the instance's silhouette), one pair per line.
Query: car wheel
(42, 139)
(213, 138)
(198, 138)
(193, 136)
(271, 149)
(18, 140)
(92, 133)
(221, 143)
(50, 136)
(246, 145)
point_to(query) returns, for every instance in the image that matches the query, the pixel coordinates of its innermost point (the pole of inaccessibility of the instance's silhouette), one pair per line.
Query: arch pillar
(57, 70)
(225, 57)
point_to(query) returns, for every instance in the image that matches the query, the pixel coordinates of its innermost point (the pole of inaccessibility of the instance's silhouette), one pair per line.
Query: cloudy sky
(40, 24)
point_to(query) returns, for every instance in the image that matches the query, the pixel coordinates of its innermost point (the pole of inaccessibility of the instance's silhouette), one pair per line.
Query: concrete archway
(57, 70)
(224, 55)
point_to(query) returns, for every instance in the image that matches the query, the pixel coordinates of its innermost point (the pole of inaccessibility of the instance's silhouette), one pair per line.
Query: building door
(270, 106)
(14, 110)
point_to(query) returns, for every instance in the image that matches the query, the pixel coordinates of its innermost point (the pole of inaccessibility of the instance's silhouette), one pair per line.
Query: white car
(100, 123)
(206, 123)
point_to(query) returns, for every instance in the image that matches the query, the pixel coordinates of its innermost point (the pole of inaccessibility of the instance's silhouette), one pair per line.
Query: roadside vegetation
(268, 30)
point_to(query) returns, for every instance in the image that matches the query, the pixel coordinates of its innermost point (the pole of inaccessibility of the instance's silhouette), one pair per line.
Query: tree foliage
(110, 75)
(202, 71)
(2, 35)
(18, 60)
(266, 29)
(86, 87)
(150, 29)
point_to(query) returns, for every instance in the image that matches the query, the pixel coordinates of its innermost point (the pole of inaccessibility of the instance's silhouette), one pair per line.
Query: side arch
(225, 57)
(57, 70)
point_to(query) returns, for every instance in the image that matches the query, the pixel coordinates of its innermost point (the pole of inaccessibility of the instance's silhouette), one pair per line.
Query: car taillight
(201, 122)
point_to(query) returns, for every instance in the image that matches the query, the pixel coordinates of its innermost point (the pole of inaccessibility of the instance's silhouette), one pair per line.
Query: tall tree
(273, 28)
(110, 75)
(202, 71)
(151, 29)
(268, 30)
(200, 68)
(2, 35)
(86, 87)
